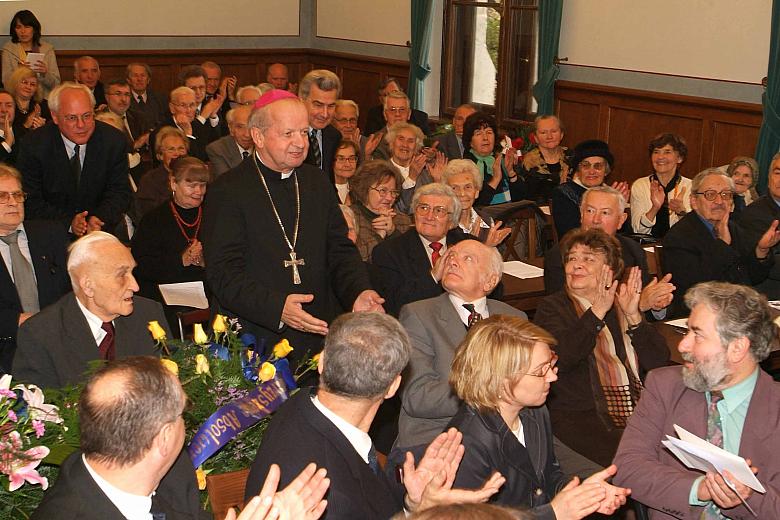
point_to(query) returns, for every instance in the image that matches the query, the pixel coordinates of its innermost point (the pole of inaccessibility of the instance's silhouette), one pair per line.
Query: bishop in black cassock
(247, 257)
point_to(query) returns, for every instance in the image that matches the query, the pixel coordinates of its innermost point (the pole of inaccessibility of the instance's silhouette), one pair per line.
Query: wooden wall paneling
(578, 118)
(731, 140)
(359, 85)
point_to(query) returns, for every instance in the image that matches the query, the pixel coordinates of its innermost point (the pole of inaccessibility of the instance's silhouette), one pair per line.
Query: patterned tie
(106, 348)
(24, 280)
(314, 149)
(715, 436)
(75, 163)
(373, 462)
(436, 246)
(474, 316)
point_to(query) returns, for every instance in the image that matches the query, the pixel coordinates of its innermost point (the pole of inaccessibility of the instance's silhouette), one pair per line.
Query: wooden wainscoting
(360, 75)
(627, 119)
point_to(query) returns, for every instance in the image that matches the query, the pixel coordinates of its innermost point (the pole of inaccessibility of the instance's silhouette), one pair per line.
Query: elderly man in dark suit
(376, 118)
(101, 319)
(359, 367)
(75, 170)
(32, 273)
(145, 101)
(181, 115)
(227, 152)
(720, 394)
(319, 90)
(451, 143)
(131, 468)
(401, 266)
(706, 245)
(86, 71)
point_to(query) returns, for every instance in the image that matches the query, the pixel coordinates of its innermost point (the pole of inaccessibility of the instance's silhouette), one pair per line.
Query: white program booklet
(187, 294)
(33, 58)
(522, 270)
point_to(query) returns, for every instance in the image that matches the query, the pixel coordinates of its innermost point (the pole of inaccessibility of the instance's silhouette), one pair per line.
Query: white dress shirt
(70, 146)
(427, 245)
(94, 322)
(24, 247)
(355, 436)
(408, 182)
(480, 306)
(132, 507)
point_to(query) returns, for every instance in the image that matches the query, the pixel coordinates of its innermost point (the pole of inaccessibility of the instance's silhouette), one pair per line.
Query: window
(490, 57)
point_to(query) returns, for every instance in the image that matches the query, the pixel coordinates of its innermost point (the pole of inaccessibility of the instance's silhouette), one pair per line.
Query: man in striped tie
(720, 394)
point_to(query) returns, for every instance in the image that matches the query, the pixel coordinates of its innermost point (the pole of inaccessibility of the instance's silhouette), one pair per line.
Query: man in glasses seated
(706, 246)
(75, 170)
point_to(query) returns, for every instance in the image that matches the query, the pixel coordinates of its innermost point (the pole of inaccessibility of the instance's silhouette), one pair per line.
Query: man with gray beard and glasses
(720, 394)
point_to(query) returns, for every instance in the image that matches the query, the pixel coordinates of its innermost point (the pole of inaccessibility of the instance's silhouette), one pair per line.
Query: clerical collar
(285, 175)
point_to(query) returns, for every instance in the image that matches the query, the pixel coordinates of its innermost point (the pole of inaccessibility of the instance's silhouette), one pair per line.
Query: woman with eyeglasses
(503, 371)
(659, 201)
(344, 167)
(605, 346)
(32, 111)
(26, 49)
(374, 190)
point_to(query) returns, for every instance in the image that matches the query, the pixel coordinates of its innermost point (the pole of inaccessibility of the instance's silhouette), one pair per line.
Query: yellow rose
(158, 333)
(171, 365)
(220, 323)
(201, 476)
(316, 360)
(282, 348)
(201, 364)
(198, 335)
(267, 372)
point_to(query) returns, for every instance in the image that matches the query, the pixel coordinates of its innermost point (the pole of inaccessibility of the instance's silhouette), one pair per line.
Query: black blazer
(401, 270)
(375, 120)
(300, 434)
(693, 255)
(75, 495)
(100, 94)
(533, 476)
(330, 143)
(755, 220)
(154, 109)
(55, 346)
(448, 145)
(103, 190)
(203, 135)
(47, 242)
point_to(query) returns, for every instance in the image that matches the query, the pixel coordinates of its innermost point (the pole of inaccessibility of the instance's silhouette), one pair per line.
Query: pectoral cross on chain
(294, 263)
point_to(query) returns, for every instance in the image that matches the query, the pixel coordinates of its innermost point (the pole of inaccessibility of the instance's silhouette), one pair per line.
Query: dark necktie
(106, 348)
(373, 462)
(75, 164)
(715, 436)
(436, 246)
(140, 101)
(244, 154)
(474, 316)
(314, 149)
(24, 280)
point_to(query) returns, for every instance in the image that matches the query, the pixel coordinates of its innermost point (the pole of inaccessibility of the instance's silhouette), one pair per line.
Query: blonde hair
(495, 350)
(17, 77)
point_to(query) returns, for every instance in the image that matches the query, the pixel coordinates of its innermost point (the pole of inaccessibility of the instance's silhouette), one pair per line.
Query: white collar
(285, 175)
(356, 437)
(480, 305)
(404, 169)
(429, 251)
(94, 322)
(132, 507)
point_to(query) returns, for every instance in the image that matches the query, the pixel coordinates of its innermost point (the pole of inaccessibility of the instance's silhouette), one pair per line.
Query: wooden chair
(521, 216)
(226, 490)
(188, 318)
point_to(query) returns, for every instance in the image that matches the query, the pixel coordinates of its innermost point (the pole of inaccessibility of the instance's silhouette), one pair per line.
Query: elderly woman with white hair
(744, 172)
(466, 180)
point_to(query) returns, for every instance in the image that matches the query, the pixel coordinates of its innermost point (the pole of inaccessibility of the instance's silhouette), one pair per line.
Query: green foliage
(492, 32)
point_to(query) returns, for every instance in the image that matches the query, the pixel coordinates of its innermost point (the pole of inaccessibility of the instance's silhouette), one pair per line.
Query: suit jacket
(660, 481)
(401, 269)
(300, 434)
(100, 94)
(9, 157)
(330, 143)
(245, 251)
(533, 475)
(223, 155)
(55, 346)
(693, 255)
(755, 220)
(76, 495)
(47, 242)
(103, 189)
(138, 124)
(448, 144)
(555, 278)
(436, 330)
(203, 135)
(375, 120)
(154, 109)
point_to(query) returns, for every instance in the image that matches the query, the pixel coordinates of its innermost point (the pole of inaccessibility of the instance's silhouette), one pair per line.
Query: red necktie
(436, 246)
(106, 347)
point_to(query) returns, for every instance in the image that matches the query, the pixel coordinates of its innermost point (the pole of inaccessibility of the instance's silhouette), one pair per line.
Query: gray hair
(496, 264)
(348, 103)
(552, 117)
(741, 312)
(178, 91)
(392, 132)
(82, 58)
(231, 114)
(248, 88)
(396, 94)
(458, 166)
(54, 95)
(609, 190)
(699, 179)
(751, 163)
(146, 67)
(363, 353)
(437, 188)
(324, 79)
(82, 251)
(264, 87)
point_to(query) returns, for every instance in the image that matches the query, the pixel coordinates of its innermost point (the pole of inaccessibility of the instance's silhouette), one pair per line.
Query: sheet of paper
(682, 323)
(705, 456)
(34, 57)
(187, 294)
(522, 270)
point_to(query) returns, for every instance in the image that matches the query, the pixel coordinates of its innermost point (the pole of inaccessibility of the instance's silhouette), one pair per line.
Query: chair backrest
(226, 490)
(189, 318)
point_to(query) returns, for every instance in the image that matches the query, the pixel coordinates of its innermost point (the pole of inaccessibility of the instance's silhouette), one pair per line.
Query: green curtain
(419, 68)
(549, 36)
(769, 136)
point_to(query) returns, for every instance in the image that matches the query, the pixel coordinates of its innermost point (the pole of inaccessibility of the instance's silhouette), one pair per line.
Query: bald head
(278, 76)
